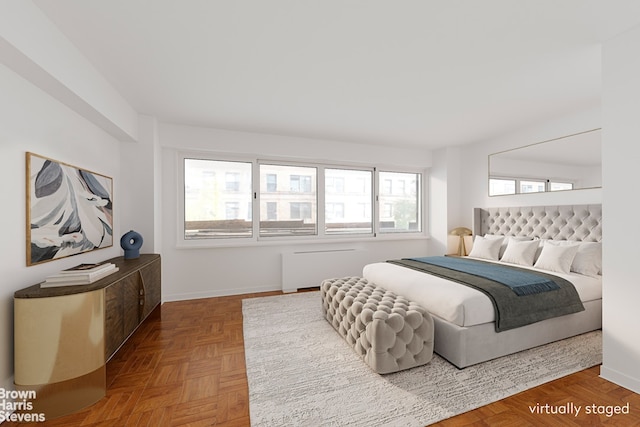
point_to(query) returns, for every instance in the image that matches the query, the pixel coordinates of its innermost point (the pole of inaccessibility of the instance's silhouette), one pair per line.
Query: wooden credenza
(129, 301)
(64, 336)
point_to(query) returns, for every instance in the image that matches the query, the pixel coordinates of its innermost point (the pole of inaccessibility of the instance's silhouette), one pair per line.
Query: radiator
(304, 269)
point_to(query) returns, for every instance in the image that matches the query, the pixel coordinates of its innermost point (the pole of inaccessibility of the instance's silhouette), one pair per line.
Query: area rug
(302, 373)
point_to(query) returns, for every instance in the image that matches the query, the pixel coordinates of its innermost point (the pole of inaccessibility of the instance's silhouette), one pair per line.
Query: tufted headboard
(567, 222)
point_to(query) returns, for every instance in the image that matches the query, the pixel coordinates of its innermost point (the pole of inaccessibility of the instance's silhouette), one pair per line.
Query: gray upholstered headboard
(568, 222)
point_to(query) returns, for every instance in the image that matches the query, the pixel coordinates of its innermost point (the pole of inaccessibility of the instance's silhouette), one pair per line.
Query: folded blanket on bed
(520, 281)
(511, 310)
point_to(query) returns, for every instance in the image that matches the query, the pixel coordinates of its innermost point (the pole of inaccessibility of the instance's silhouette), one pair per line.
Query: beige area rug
(302, 373)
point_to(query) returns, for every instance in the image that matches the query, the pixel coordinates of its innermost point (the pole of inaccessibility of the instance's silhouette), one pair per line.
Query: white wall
(54, 103)
(33, 47)
(446, 179)
(31, 120)
(620, 107)
(475, 166)
(140, 174)
(204, 272)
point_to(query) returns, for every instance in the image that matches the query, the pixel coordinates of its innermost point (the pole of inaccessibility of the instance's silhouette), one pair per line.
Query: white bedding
(454, 302)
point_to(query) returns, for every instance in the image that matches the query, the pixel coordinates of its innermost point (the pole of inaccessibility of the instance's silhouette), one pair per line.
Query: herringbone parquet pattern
(185, 366)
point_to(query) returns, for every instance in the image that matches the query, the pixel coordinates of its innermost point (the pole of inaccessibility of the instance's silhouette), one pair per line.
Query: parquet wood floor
(185, 366)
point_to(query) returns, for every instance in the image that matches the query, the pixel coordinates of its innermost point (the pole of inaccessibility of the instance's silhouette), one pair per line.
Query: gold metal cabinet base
(65, 397)
(59, 352)
(59, 338)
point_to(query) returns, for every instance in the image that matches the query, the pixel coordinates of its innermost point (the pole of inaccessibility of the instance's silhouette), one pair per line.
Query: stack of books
(82, 274)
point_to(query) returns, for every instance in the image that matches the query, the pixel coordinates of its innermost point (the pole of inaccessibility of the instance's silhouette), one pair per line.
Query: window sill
(284, 241)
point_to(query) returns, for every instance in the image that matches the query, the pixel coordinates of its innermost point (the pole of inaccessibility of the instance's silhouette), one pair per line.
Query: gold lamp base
(461, 232)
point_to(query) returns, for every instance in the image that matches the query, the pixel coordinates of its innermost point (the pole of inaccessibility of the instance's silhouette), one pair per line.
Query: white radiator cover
(304, 269)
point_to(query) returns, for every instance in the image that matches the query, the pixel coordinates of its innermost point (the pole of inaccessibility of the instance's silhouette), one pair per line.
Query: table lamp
(461, 232)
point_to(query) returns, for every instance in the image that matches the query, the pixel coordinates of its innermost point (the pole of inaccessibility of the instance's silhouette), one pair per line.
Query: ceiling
(405, 73)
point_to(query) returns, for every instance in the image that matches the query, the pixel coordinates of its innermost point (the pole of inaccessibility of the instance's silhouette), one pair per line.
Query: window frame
(321, 236)
(420, 205)
(524, 181)
(257, 197)
(181, 229)
(518, 179)
(338, 234)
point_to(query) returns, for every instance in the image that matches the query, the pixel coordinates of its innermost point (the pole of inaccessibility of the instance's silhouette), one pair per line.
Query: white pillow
(588, 260)
(539, 250)
(486, 248)
(520, 252)
(556, 257)
(505, 241)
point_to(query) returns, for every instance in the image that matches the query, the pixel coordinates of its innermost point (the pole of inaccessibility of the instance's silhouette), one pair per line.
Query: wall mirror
(570, 162)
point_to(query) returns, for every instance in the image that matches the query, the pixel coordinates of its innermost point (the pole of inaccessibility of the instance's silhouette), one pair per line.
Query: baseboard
(218, 293)
(620, 379)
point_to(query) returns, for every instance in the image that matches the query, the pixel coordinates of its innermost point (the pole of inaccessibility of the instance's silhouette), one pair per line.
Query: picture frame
(69, 210)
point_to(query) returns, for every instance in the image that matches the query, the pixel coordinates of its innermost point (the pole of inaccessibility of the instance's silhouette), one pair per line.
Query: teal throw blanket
(520, 282)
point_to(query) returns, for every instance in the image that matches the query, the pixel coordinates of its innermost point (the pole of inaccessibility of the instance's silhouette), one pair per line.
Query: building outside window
(530, 186)
(346, 191)
(232, 210)
(295, 207)
(502, 186)
(220, 202)
(300, 210)
(300, 183)
(334, 184)
(272, 211)
(232, 181)
(272, 182)
(214, 192)
(401, 210)
(387, 186)
(334, 211)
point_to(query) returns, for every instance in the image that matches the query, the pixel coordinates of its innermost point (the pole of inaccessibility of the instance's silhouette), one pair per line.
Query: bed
(465, 319)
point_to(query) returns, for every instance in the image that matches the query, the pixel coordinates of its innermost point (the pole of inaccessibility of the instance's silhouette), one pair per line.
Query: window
(402, 210)
(214, 192)
(334, 211)
(498, 186)
(364, 210)
(345, 195)
(508, 185)
(232, 210)
(300, 210)
(387, 186)
(401, 187)
(530, 186)
(387, 212)
(559, 186)
(272, 182)
(260, 200)
(300, 183)
(296, 209)
(232, 181)
(272, 211)
(334, 184)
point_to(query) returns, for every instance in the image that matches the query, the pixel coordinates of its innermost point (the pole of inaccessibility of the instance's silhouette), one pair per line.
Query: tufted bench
(389, 332)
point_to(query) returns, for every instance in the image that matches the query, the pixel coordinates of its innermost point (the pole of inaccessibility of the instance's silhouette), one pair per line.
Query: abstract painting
(69, 210)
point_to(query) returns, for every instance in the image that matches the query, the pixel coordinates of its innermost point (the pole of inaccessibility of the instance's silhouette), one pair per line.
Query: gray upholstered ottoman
(389, 332)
